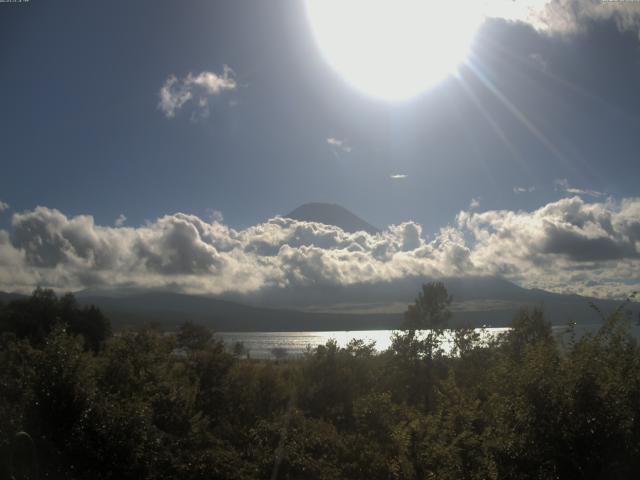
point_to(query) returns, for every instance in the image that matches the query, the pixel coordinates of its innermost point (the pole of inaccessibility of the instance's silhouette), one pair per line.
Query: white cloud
(524, 189)
(563, 184)
(339, 144)
(398, 176)
(474, 203)
(120, 221)
(3, 206)
(198, 89)
(568, 245)
(215, 216)
(553, 246)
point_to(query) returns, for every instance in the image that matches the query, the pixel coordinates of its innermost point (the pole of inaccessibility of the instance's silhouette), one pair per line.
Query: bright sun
(394, 49)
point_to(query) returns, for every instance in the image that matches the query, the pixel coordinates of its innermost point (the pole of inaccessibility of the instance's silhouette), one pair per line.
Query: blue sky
(536, 115)
(82, 131)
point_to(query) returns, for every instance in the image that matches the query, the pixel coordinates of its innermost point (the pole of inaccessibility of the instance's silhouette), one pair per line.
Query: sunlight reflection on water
(259, 345)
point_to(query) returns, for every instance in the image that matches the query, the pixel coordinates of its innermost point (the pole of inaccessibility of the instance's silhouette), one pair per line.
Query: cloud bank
(196, 89)
(567, 246)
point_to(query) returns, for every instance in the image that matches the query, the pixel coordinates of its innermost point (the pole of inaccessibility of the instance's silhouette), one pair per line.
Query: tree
(413, 354)
(431, 308)
(240, 350)
(279, 353)
(32, 318)
(92, 325)
(193, 337)
(35, 317)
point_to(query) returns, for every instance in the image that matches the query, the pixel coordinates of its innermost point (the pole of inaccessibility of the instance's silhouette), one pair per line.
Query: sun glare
(394, 49)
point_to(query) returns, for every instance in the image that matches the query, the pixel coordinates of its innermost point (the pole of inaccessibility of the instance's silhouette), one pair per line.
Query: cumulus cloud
(551, 246)
(3, 206)
(197, 89)
(565, 16)
(588, 248)
(474, 203)
(215, 216)
(398, 176)
(197, 256)
(338, 144)
(121, 220)
(524, 189)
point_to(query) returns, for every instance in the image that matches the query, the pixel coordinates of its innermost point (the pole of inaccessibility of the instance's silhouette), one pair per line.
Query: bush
(136, 406)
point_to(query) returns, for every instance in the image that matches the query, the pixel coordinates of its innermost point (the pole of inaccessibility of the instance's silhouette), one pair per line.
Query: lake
(260, 344)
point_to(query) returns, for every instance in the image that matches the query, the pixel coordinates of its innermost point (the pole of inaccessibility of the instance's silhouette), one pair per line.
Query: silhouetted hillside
(7, 297)
(171, 309)
(491, 301)
(477, 301)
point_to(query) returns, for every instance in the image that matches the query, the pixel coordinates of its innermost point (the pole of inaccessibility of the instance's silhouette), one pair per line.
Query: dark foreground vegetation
(144, 405)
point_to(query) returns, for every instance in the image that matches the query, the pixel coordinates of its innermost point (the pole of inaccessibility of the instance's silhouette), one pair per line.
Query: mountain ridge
(479, 301)
(332, 214)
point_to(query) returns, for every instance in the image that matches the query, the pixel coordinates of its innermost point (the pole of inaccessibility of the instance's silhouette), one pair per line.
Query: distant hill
(491, 301)
(8, 297)
(478, 301)
(331, 214)
(171, 309)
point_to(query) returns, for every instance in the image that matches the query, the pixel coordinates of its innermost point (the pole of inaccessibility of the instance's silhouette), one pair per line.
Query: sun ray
(476, 68)
(498, 130)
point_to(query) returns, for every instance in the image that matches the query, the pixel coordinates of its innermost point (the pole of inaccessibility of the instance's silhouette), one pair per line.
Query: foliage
(193, 337)
(431, 308)
(143, 404)
(35, 317)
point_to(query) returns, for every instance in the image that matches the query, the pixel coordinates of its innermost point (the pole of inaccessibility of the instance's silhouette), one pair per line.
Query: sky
(155, 143)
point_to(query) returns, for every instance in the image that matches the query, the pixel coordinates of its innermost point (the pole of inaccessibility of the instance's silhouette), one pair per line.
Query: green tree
(430, 310)
(193, 337)
(35, 317)
(415, 350)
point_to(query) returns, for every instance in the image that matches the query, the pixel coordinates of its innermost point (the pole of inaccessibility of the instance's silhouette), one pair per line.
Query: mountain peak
(332, 214)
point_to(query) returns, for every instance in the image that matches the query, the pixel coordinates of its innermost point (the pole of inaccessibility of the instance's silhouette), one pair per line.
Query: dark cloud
(578, 247)
(178, 248)
(566, 16)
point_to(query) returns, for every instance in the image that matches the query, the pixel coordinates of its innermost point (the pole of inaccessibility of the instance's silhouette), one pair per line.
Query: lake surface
(260, 344)
(295, 344)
